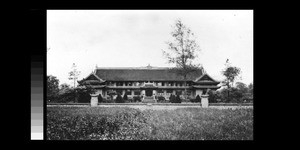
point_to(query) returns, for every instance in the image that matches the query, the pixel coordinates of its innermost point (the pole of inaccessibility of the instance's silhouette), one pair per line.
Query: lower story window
(179, 92)
(128, 92)
(137, 92)
(169, 91)
(119, 92)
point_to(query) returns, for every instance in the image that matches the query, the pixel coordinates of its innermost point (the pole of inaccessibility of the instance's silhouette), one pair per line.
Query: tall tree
(73, 75)
(64, 88)
(182, 51)
(250, 87)
(52, 87)
(231, 73)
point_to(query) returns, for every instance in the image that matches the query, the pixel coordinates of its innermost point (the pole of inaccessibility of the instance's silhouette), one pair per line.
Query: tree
(198, 99)
(125, 98)
(178, 100)
(73, 75)
(52, 87)
(250, 88)
(182, 51)
(111, 94)
(172, 98)
(119, 99)
(100, 99)
(64, 87)
(242, 87)
(231, 73)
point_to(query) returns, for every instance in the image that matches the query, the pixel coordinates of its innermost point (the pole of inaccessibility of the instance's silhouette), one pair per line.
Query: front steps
(149, 99)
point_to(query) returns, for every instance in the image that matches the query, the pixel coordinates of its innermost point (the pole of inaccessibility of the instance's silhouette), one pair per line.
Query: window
(189, 92)
(178, 92)
(163, 84)
(137, 92)
(119, 92)
(169, 91)
(128, 92)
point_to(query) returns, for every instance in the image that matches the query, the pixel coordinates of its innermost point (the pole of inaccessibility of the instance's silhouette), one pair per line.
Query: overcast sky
(135, 38)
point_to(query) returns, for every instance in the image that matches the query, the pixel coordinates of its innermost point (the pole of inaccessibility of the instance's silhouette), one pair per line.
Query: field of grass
(116, 123)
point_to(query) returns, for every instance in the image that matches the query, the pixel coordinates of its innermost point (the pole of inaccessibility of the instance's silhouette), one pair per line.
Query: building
(148, 82)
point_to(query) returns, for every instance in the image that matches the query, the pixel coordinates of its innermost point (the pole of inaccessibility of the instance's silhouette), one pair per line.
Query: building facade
(148, 82)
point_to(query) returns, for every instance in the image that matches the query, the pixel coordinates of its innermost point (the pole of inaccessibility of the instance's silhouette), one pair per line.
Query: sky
(136, 38)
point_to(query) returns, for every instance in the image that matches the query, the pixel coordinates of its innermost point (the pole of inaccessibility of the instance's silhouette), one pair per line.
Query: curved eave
(207, 82)
(205, 87)
(97, 86)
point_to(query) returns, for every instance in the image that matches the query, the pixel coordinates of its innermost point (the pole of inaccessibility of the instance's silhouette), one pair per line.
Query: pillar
(94, 99)
(204, 101)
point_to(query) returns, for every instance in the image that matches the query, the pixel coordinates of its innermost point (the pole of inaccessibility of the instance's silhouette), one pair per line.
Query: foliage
(182, 51)
(177, 99)
(108, 100)
(161, 99)
(213, 96)
(119, 99)
(172, 98)
(137, 98)
(125, 98)
(198, 99)
(100, 99)
(97, 123)
(111, 94)
(52, 87)
(73, 75)
(240, 93)
(231, 73)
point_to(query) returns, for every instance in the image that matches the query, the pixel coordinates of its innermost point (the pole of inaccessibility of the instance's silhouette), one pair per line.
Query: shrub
(137, 99)
(119, 99)
(198, 99)
(172, 98)
(186, 100)
(161, 99)
(108, 100)
(100, 99)
(67, 96)
(84, 97)
(177, 99)
(125, 98)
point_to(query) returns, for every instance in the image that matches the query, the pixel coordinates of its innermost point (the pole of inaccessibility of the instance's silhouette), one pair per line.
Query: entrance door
(149, 92)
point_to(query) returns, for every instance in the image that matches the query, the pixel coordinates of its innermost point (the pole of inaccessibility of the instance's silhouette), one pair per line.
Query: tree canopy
(52, 87)
(231, 73)
(182, 50)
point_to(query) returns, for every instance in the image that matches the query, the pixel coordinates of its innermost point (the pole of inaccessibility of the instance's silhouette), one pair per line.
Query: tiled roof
(142, 74)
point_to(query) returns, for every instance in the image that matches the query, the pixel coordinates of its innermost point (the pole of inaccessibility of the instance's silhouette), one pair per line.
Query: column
(204, 101)
(94, 99)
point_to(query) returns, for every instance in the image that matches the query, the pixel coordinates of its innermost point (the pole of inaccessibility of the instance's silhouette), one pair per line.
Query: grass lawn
(119, 123)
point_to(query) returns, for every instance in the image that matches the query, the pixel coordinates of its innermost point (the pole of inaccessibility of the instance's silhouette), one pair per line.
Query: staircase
(149, 99)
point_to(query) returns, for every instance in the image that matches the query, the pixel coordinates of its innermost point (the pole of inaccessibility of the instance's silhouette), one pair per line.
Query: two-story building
(148, 82)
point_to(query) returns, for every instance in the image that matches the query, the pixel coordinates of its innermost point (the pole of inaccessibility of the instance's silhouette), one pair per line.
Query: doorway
(149, 92)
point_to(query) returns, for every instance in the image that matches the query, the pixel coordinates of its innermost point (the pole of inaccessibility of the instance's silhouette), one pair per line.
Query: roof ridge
(98, 68)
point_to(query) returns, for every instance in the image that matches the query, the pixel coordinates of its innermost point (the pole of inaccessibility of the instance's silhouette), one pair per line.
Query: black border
(37, 24)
